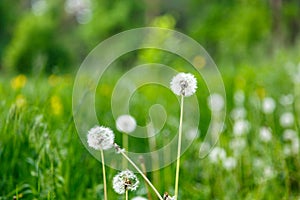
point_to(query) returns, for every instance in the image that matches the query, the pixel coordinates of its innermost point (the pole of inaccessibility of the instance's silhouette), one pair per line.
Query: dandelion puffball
(126, 123)
(216, 102)
(100, 138)
(286, 119)
(184, 84)
(265, 134)
(125, 180)
(138, 198)
(268, 105)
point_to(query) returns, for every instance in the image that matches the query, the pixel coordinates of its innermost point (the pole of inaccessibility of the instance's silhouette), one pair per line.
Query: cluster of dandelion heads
(184, 84)
(125, 180)
(100, 138)
(126, 123)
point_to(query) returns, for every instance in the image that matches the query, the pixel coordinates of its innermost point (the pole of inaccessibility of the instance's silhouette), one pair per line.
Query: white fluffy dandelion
(216, 102)
(265, 134)
(241, 127)
(217, 154)
(268, 105)
(100, 138)
(229, 163)
(125, 180)
(138, 198)
(126, 123)
(286, 120)
(184, 84)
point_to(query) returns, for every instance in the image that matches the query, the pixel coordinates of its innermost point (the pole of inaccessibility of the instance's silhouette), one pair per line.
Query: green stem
(104, 176)
(142, 174)
(126, 194)
(125, 145)
(179, 148)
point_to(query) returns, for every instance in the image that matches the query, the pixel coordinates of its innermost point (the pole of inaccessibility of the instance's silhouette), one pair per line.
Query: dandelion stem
(104, 176)
(126, 194)
(142, 174)
(124, 145)
(179, 148)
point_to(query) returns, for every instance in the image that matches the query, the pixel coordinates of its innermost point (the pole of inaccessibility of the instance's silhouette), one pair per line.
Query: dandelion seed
(100, 138)
(125, 180)
(184, 84)
(268, 105)
(216, 102)
(265, 134)
(126, 123)
(241, 127)
(286, 120)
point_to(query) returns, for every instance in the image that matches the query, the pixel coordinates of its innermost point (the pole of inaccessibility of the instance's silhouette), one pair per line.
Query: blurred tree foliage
(55, 35)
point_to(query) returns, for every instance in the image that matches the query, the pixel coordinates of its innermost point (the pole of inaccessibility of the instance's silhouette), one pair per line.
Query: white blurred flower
(258, 163)
(287, 150)
(237, 145)
(238, 113)
(81, 9)
(100, 137)
(138, 198)
(286, 100)
(269, 172)
(126, 123)
(239, 97)
(241, 127)
(265, 134)
(216, 102)
(39, 7)
(268, 105)
(286, 120)
(192, 133)
(229, 163)
(289, 135)
(184, 84)
(217, 154)
(125, 180)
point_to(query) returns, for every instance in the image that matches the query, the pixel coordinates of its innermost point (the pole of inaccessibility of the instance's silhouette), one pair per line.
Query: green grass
(42, 157)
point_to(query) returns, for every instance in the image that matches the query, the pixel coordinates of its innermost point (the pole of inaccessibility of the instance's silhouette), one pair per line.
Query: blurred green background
(255, 44)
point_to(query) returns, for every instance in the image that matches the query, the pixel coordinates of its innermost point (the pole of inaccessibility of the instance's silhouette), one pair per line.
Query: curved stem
(179, 148)
(142, 174)
(104, 176)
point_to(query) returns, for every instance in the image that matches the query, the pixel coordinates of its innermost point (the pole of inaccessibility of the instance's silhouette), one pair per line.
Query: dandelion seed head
(100, 138)
(289, 135)
(286, 120)
(268, 105)
(229, 163)
(125, 180)
(286, 100)
(126, 123)
(216, 102)
(265, 134)
(238, 113)
(184, 84)
(241, 127)
(217, 154)
(138, 198)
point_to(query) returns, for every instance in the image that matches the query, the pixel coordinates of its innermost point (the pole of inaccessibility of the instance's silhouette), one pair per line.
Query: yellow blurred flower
(18, 82)
(54, 80)
(20, 101)
(56, 105)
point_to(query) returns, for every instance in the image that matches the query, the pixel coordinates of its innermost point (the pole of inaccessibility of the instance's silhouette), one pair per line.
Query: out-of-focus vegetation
(55, 36)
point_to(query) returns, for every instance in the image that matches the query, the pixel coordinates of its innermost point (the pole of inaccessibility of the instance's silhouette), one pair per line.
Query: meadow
(256, 157)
